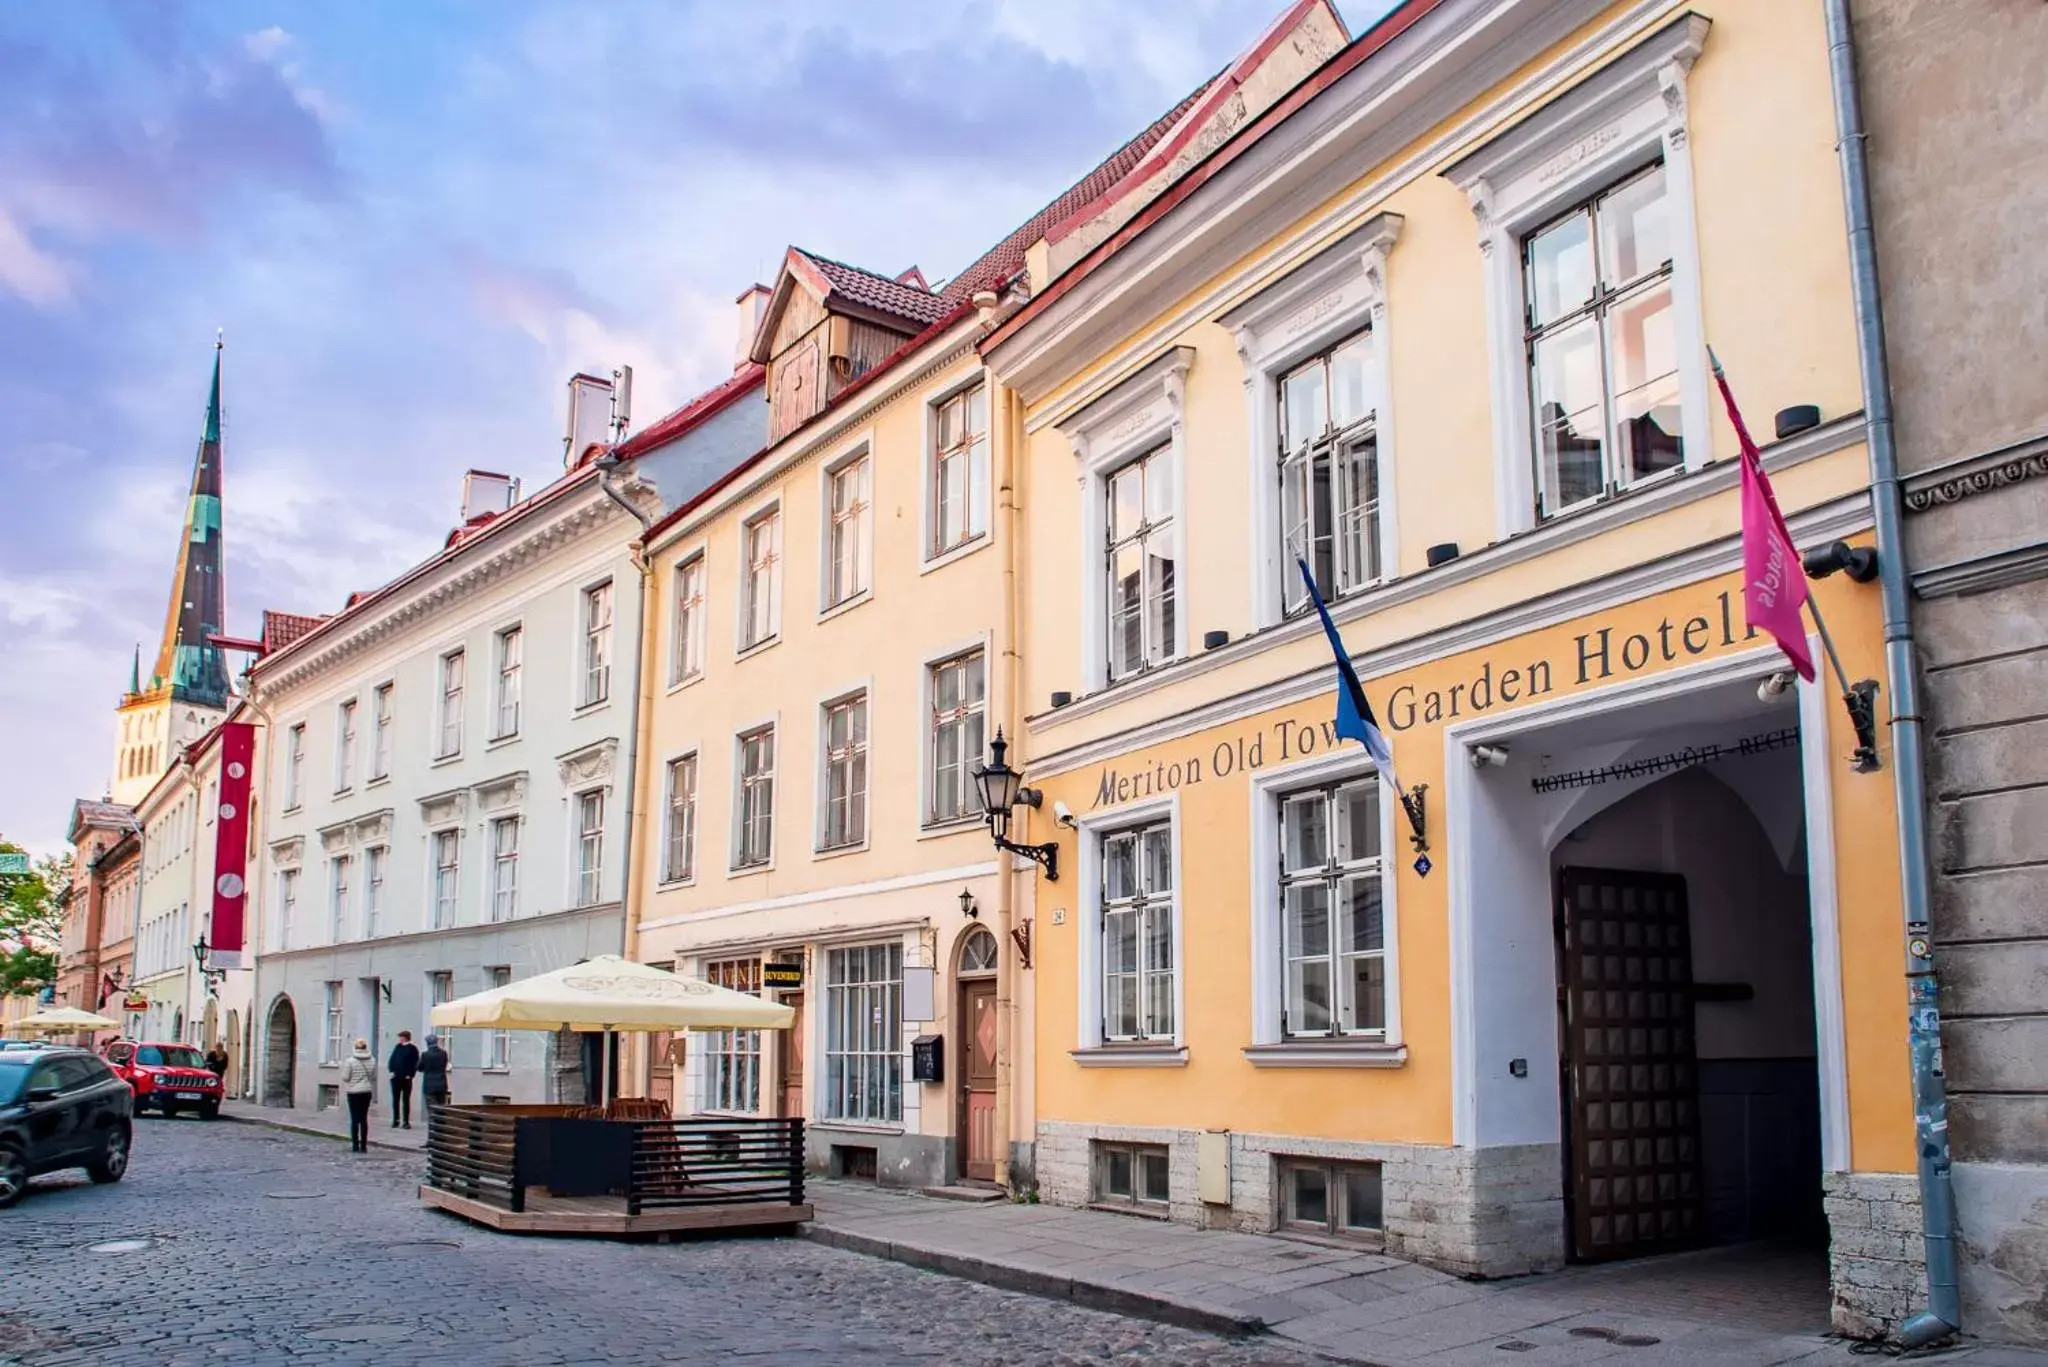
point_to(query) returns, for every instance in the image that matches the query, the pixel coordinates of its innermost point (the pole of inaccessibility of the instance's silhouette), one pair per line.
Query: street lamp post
(1001, 789)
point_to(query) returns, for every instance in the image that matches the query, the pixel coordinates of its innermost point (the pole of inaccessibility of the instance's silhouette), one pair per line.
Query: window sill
(1362, 1241)
(439, 761)
(376, 781)
(1327, 1054)
(495, 1071)
(749, 870)
(678, 685)
(826, 614)
(591, 708)
(688, 880)
(855, 1127)
(1131, 1056)
(500, 742)
(840, 851)
(344, 790)
(293, 810)
(1143, 1212)
(933, 830)
(761, 646)
(959, 552)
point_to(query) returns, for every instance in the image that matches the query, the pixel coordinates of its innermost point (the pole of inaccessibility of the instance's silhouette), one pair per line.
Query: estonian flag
(1354, 713)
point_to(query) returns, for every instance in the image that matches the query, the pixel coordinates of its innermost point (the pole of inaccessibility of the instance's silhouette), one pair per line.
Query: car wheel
(13, 1175)
(209, 1110)
(112, 1163)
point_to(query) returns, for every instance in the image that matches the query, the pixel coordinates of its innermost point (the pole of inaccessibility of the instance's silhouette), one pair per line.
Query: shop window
(1131, 1175)
(863, 1034)
(1330, 1198)
(732, 1058)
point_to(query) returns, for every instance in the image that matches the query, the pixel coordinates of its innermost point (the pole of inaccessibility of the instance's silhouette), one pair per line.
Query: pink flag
(1773, 580)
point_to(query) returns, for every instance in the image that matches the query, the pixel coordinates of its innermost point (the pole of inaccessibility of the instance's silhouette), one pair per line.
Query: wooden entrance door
(978, 1078)
(1631, 1091)
(661, 1073)
(789, 1055)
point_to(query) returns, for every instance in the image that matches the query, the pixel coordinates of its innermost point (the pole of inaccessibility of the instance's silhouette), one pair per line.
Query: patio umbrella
(58, 1019)
(609, 993)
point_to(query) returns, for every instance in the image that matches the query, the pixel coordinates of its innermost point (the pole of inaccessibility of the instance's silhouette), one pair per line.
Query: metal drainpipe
(261, 854)
(1006, 880)
(636, 822)
(1943, 1315)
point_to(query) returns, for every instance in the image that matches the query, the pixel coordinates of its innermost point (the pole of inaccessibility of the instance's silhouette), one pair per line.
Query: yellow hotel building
(1437, 319)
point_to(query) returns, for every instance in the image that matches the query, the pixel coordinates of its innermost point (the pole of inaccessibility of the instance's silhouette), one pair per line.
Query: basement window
(1131, 1175)
(1330, 1198)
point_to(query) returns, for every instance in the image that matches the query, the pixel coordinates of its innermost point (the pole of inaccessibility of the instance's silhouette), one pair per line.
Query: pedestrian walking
(434, 1073)
(359, 1083)
(402, 1065)
(217, 1061)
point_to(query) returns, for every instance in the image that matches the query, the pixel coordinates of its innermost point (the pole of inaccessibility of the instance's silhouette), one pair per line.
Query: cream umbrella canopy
(61, 1018)
(609, 993)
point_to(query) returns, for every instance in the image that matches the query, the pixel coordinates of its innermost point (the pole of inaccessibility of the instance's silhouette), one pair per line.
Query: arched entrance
(209, 1024)
(280, 1053)
(975, 974)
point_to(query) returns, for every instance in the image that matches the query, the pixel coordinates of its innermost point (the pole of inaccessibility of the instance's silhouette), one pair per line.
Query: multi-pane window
(449, 721)
(958, 690)
(505, 708)
(374, 860)
(959, 491)
(847, 537)
(1138, 952)
(1331, 1198)
(345, 746)
(330, 1035)
(686, 649)
(1329, 472)
(762, 538)
(1332, 918)
(597, 645)
(754, 840)
(844, 820)
(863, 1034)
(287, 905)
(732, 1058)
(589, 848)
(498, 1043)
(294, 765)
(1602, 348)
(1131, 1174)
(380, 732)
(447, 848)
(440, 988)
(504, 868)
(1139, 563)
(680, 861)
(338, 871)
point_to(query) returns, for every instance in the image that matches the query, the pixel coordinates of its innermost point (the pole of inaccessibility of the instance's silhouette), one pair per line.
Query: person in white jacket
(359, 1084)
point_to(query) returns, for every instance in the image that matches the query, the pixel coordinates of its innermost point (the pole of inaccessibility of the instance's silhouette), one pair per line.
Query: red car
(170, 1077)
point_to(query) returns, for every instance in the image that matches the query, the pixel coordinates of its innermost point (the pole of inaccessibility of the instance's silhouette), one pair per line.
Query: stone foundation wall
(1477, 1212)
(1876, 1261)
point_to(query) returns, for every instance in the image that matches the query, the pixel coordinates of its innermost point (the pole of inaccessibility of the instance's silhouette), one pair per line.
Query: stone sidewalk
(1351, 1306)
(331, 1124)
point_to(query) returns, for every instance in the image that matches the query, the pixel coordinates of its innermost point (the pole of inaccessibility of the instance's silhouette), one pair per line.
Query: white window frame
(504, 894)
(1138, 417)
(294, 766)
(927, 787)
(863, 694)
(686, 622)
(449, 704)
(892, 1027)
(1622, 117)
(333, 1026)
(508, 645)
(1338, 293)
(434, 868)
(738, 1050)
(287, 905)
(739, 806)
(339, 873)
(497, 1043)
(440, 988)
(376, 868)
(858, 456)
(586, 846)
(1270, 1046)
(744, 643)
(1093, 1048)
(383, 718)
(344, 745)
(929, 555)
(688, 762)
(596, 611)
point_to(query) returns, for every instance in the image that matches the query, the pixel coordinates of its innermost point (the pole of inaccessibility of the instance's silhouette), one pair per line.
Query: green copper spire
(135, 672)
(188, 660)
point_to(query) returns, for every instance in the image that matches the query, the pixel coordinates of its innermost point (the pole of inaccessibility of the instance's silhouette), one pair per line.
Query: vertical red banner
(231, 848)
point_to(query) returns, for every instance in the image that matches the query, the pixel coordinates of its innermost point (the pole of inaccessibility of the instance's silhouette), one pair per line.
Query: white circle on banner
(235, 769)
(227, 811)
(229, 885)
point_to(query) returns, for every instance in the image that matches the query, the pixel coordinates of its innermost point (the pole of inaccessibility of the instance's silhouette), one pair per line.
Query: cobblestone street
(265, 1247)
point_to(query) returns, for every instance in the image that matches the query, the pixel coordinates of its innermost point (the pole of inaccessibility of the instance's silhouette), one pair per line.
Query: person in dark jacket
(403, 1063)
(434, 1073)
(217, 1061)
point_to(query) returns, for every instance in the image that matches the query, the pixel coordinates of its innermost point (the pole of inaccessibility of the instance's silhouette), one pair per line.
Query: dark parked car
(60, 1108)
(171, 1077)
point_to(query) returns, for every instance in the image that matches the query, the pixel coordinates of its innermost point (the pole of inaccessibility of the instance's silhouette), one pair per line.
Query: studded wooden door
(790, 1059)
(978, 1078)
(1630, 1077)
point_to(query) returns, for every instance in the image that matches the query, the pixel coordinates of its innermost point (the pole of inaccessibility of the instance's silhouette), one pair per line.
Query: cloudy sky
(413, 222)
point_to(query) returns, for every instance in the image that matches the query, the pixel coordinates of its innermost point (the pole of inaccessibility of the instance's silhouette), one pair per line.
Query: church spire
(188, 661)
(135, 672)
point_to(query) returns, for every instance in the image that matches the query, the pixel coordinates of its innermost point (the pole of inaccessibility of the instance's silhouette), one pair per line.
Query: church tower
(186, 692)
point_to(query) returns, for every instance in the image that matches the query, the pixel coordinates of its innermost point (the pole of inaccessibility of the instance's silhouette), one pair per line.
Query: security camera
(1774, 686)
(1483, 756)
(1063, 815)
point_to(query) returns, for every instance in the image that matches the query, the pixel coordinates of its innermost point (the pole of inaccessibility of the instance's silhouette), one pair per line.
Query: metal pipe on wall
(1930, 1094)
(1006, 950)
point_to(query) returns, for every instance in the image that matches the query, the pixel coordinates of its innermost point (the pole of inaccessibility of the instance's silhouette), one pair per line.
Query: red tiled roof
(867, 289)
(1001, 262)
(698, 410)
(280, 629)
